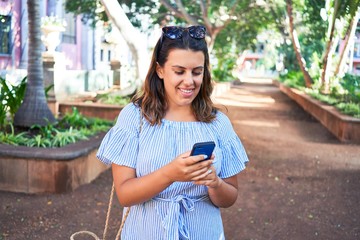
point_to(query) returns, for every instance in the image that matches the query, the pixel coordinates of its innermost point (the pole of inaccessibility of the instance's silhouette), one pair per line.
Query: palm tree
(34, 108)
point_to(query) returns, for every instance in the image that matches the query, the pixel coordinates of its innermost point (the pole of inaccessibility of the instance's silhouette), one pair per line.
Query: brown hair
(152, 99)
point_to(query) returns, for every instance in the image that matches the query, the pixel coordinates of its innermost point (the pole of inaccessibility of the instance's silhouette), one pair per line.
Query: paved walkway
(301, 183)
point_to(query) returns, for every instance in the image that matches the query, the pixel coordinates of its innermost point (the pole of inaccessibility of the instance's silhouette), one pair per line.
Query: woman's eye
(179, 73)
(197, 73)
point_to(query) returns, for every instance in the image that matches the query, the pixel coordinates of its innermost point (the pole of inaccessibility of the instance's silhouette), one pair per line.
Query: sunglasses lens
(172, 32)
(197, 32)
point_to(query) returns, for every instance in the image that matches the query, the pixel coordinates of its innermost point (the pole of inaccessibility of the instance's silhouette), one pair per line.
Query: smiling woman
(149, 147)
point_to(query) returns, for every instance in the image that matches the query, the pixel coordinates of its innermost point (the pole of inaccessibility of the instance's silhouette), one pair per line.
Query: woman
(173, 195)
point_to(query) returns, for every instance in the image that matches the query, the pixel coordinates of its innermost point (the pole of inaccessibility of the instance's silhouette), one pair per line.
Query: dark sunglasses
(173, 32)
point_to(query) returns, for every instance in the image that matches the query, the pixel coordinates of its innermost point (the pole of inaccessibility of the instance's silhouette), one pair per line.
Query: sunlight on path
(244, 98)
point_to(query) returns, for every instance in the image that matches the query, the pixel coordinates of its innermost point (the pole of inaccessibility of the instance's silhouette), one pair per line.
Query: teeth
(186, 91)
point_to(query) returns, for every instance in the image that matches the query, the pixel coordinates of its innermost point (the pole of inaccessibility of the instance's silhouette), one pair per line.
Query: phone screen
(203, 148)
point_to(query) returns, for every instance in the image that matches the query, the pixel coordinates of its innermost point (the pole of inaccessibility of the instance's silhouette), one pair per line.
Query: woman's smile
(186, 92)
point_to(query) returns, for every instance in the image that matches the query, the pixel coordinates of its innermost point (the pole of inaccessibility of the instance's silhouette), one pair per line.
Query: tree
(336, 11)
(349, 40)
(215, 15)
(34, 108)
(296, 45)
(228, 20)
(132, 36)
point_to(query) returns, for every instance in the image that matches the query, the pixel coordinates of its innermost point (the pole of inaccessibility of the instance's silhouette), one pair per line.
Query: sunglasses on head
(173, 32)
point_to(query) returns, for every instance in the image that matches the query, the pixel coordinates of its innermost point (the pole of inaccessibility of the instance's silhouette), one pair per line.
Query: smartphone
(203, 148)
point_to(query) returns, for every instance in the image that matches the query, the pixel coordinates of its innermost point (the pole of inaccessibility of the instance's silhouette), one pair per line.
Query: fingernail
(205, 156)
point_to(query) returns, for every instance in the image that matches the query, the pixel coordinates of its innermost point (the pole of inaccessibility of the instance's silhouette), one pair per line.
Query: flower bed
(55, 170)
(345, 128)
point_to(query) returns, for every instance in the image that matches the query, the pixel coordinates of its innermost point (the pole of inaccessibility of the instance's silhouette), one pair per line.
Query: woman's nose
(189, 78)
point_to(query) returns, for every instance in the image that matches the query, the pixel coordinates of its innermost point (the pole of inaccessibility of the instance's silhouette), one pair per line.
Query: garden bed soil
(301, 182)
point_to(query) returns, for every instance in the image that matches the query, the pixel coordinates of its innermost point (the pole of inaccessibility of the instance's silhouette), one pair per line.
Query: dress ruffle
(120, 145)
(116, 146)
(234, 158)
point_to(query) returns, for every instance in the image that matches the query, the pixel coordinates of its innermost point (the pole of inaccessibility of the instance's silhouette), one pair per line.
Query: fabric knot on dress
(174, 220)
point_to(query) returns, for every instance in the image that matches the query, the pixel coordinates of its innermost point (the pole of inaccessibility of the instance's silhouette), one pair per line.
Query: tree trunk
(296, 45)
(34, 108)
(340, 69)
(326, 64)
(134, 39)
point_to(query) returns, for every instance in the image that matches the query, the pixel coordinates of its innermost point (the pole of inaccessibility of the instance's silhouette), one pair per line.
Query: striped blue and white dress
(183, 210)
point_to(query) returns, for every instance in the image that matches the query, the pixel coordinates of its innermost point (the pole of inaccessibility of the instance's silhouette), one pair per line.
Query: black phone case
(203, 148)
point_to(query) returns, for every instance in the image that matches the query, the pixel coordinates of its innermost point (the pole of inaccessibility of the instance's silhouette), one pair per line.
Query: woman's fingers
(201, 174)
(189, 168)
(209, 178)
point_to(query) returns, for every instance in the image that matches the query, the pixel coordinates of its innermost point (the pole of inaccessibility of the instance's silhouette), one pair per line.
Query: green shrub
(321, 97)
(351, 109)
(293, 79)
(11, 138)
(223, 71)
(74, 119)
(11, 97)
(71, 128)
(345, 93)
(348, 108)
(351, 84)
(62, 138)
(39, 141)
(113, 99)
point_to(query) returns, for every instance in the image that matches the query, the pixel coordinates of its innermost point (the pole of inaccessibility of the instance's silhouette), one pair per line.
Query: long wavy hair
(152, 99)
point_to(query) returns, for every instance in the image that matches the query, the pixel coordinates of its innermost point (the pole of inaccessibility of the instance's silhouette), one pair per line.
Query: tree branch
(204, 12)
(176, 12)
(190, 19)
(278, 25)
(217, 29)
(232, 10)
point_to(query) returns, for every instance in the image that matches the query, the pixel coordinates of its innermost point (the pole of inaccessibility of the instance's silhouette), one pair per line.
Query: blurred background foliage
(309, 51)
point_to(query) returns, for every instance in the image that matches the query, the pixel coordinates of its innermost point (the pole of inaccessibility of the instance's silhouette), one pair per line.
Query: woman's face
(182, 74)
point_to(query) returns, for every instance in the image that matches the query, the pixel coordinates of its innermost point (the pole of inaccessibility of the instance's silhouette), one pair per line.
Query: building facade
(84, 52)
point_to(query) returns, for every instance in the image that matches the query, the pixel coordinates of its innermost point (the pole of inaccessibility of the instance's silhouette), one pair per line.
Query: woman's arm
(131, 190)
(222, 192)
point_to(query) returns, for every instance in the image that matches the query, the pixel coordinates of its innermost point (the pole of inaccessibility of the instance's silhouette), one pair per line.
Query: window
(5, 34)
(101, 55)
(357, 50)
(69, 36)
(357, 67)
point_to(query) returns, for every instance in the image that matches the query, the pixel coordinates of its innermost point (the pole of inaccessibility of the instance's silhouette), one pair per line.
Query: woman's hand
(186, 168)
(211, 179)
(222, 192)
